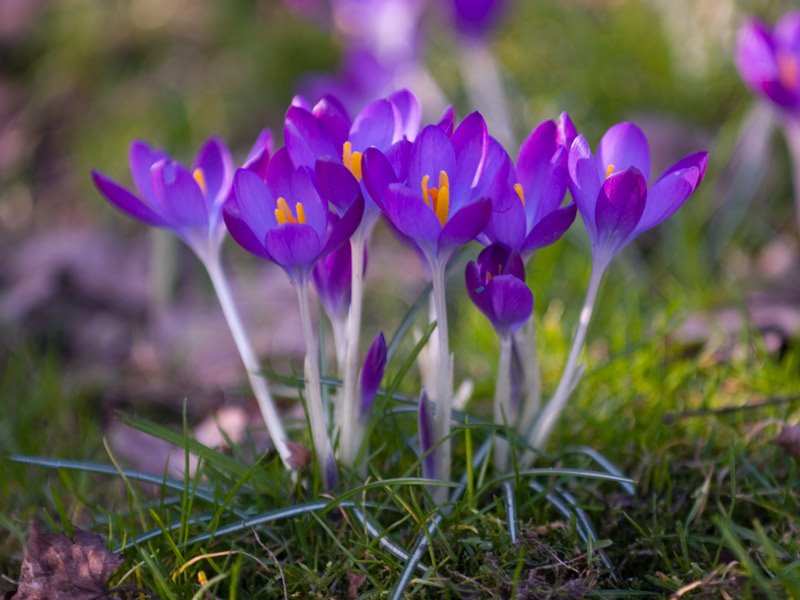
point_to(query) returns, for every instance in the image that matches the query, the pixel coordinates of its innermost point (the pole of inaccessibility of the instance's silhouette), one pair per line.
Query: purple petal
(378, 174)
(432, 152)
(512, 303)
(535, 153)
(470, 141)
(623, 146)
(619, 208)
(447, 121)
(332, 278)
(142, 158)
(372, 373)
(506, 224)
(476, 17)
(672, 190)
(412, 217)
(787, 32)
(125, 201)
(178, 196)
(215, 161)
(410, 112)
(304, 191)
(342, 229)
(336, 183)
(755, 55)
(253, 203)
(293, 246)
(550, 192)
(374, 126)
(499, 260)
(427, 437)
(476, 290)
(333, 117)
(242, 234)
(258, 158)
(306, 140)
(550, 228)
(565, 132)
(584, 182)
(463, 226)
(279, 173)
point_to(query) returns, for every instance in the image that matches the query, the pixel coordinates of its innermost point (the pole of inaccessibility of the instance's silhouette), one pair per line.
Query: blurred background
(79, 79)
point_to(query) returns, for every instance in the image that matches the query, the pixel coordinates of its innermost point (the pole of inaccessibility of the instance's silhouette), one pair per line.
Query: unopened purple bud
(426, 437)
(372, 373)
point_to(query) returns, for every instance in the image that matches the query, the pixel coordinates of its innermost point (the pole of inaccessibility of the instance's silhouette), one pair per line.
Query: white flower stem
(525, 339)
(503, 411)
(316, 411)
(485, 87)
(791, 128)
(548, 417)
(339, 327)
(444, 374)
(258, 382)
(348, 421)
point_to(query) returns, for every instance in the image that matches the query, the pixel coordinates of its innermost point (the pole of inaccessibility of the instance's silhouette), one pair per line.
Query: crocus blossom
(186, 200)
(475, 18)
(612, 193)
(496, 285)
(323, 138)
(769, 60)
(283, 218)
(440, 203)
(528, 213)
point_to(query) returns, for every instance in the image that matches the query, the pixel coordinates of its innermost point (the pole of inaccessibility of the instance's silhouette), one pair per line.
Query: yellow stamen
(609, 171)
(200, 178)
(283, 214)
(520, 192)
(352, 160)
(788, 70)
(438, 198)
(201, 577)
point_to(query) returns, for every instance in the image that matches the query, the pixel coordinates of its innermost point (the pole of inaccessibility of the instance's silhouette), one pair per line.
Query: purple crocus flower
(372, 373)
(331, 277)
(611, 188)
(441, 203)
(474, 18)
(527, 213)
(496, 285)
(769, 60)
(324, 138)
(283, 218)
(186, 200)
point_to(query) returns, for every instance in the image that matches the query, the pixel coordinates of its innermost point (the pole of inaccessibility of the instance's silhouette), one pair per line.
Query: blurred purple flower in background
(476, 18)
(769, 60)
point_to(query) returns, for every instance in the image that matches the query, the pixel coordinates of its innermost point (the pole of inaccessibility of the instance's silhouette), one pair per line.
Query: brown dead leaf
(57, 568)
(789, 440)
(354, 582)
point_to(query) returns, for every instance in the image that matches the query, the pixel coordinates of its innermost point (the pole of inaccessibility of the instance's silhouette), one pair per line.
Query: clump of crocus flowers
(310, 208)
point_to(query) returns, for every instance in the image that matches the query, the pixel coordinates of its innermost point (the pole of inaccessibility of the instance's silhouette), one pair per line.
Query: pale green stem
(792, 132)
(339, 327)
(316, 411)
(444, 375)
(503, 412)
(485, 87)
(349, 422)
(525, 338)
(163, 259)
(258, 382)
(548, 417)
